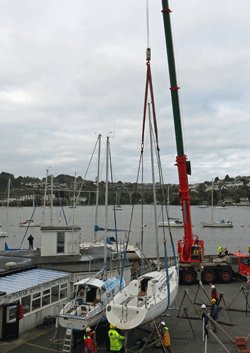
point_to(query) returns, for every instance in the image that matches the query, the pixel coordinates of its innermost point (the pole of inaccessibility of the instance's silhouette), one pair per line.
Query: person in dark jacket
(31, 240)
(214, 312)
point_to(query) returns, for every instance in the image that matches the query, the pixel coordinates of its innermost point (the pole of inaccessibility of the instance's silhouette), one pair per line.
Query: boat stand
(153, 339)
(206, 301)
(245, 292)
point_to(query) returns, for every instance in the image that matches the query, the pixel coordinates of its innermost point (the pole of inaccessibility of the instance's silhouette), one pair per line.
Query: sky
(70, 70)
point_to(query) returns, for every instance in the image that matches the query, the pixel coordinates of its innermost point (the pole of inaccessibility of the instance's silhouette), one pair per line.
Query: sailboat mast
(154, 191)
(106, 205)
(45, 194)
(97, 185)
(51, 201)
(212, 200)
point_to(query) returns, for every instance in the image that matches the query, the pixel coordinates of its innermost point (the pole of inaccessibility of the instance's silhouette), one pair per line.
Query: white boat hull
(217, 224)
(130, 308)
(97, 249)
(89, 309)
(171, 224)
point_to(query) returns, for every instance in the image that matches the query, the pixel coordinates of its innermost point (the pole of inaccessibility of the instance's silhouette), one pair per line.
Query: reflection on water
(236, 238)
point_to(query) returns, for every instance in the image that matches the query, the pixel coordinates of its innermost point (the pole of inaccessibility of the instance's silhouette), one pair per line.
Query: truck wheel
(225, 276)
(208, 276)
(188, 277)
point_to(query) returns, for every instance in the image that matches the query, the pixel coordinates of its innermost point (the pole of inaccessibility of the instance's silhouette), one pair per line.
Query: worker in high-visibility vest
(219, 249)
(115, 340)
(165, 336)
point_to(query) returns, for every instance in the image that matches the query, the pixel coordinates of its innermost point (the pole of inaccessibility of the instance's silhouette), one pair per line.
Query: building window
(36, 301)
(46, 297)
(11, 313)
(55, 294)
(25, 301)
(63, 291)
(60, 242)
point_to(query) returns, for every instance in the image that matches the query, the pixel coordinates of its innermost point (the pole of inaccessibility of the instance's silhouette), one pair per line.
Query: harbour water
(236, 238)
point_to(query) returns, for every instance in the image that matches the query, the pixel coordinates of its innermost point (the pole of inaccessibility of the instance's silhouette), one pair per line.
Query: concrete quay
(183, 320)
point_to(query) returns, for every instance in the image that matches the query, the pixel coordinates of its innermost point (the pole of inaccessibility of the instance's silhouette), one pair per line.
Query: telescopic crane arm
(183, 165)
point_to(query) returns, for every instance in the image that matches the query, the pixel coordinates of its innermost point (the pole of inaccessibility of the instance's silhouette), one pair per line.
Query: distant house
(244, 201)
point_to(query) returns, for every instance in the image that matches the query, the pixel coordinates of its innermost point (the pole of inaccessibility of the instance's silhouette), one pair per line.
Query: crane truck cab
(240, 264)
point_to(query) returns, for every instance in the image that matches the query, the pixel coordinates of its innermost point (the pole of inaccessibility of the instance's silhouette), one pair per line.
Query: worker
(214, 312)
(224, 252)
(115, 339)
(31, 240)
(219, 250)
(165, 337)
(204, 320)
(214, 294)
(89, 344)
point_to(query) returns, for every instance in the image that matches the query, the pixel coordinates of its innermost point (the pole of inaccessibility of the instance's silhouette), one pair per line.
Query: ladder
(67, 343)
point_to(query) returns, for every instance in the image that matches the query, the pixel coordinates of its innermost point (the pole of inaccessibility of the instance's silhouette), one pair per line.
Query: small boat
(87, 308)
(171, 223)
(117, 208)
(222, 224)
(29, 223)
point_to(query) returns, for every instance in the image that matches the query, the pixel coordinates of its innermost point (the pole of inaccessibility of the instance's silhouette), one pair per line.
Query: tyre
(208, 276)
(188, 277)
(225, 276)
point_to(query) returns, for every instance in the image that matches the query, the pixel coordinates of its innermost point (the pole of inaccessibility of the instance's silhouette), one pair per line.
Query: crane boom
(184, 168)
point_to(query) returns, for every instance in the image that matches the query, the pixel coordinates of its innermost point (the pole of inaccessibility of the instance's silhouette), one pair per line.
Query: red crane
(190, 249)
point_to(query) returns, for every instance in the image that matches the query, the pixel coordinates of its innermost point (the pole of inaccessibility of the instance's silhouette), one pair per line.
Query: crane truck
(193, 263)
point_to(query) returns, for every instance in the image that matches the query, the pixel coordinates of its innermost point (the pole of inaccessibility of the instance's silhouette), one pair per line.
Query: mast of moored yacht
(97, 186)
(154, 191)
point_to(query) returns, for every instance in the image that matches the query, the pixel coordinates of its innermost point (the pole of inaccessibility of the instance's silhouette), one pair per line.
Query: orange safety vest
(166, 337)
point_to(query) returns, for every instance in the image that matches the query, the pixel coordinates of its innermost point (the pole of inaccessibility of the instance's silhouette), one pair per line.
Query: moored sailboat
(216, 224)
(92, 295)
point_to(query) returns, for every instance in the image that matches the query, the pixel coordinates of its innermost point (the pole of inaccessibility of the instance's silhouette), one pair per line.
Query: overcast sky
(72, 69)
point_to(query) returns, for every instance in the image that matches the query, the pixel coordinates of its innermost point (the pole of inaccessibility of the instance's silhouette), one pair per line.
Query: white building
(28, 296)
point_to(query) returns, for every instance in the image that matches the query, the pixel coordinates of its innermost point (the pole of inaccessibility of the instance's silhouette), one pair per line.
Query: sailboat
(92, 295)
(217, 224)
(171, 221)
(151, 294)
(87, 308)
(96, 247)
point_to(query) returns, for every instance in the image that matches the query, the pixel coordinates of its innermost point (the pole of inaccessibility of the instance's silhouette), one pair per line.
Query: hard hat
(203, 306)
(212, 286)
(112, 326)
(163, 323)
(213, 300)
(88, 329)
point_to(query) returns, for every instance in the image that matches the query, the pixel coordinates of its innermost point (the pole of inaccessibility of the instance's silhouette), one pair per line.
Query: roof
(16, 282)
(90, 281)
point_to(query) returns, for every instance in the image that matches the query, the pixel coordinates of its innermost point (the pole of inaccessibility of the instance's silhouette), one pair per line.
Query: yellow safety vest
(115, 340)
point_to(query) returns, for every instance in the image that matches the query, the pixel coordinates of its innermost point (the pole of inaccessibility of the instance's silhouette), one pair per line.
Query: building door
(10, 320)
